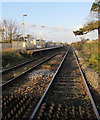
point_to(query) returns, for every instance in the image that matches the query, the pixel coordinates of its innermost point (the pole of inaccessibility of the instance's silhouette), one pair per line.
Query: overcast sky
(53, 21)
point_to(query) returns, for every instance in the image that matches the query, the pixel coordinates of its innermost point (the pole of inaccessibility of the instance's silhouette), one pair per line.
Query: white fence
(5, 45)
(16, 45)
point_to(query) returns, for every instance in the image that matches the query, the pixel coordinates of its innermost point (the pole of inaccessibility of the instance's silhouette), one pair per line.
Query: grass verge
(10, 59)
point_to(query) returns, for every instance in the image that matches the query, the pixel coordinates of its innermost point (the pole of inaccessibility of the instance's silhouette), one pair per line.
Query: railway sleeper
(14, 102)
(16, 107)
(63, 112)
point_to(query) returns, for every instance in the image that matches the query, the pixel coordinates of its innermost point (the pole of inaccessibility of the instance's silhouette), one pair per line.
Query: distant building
(39, 43)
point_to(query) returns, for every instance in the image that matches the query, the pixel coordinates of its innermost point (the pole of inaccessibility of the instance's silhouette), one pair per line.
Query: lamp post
(24, 26)
(24, 44)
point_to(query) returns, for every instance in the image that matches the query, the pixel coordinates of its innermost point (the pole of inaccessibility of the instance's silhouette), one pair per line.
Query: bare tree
(10, 30)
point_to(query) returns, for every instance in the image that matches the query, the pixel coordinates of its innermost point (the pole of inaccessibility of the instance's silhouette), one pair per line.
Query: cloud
(62, 36)
(56, 33)
(93, 35)
(56, 28)
(52, 28)
(69, 36)
(40, 35)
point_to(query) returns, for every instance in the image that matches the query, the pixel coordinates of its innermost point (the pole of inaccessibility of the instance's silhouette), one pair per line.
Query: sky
(58, 19)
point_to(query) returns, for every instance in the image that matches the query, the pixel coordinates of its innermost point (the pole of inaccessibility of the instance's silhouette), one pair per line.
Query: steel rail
(42, 98)
(88, 90)
(19, 65)
(22, 64)
(3, 86)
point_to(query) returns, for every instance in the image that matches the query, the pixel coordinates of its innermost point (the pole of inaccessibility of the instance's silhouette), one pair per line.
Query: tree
(9, 30)
(96, 10)
(91, 25)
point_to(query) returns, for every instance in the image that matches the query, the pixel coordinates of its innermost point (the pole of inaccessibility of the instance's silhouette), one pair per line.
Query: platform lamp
(24, 26)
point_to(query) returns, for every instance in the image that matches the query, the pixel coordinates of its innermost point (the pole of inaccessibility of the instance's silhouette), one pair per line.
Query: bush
(89, 51)
(10, 59)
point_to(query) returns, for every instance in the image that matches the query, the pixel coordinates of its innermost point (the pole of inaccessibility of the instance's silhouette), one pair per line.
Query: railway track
(20, 97)
(40, 98)
(13, 80)
(27, 62)
(16, 71)
(67, 96)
